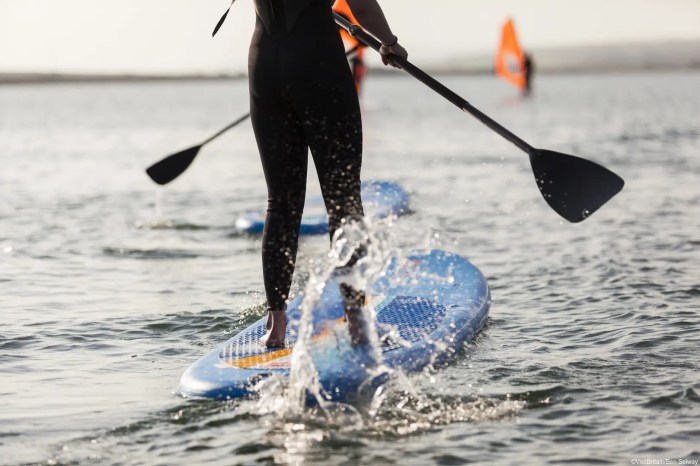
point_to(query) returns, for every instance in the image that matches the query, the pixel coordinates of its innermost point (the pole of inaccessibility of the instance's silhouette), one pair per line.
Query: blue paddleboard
(379, 198)
(426, 306)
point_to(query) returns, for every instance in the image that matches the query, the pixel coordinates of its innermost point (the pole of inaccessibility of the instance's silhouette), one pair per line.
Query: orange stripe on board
(252, 361)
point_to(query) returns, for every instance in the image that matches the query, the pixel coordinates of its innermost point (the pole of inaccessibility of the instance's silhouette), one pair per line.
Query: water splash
(158, 221)
(404, 412)
(400, 405)
(399, 408)
(293, 396)
(304, 378)
(360, 250)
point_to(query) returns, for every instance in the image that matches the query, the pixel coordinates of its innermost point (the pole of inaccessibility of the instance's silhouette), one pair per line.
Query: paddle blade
(171, 167)
(572, 186)
(220, 23)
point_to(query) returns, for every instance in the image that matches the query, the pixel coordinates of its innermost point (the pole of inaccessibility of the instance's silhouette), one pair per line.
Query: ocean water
(110, 287)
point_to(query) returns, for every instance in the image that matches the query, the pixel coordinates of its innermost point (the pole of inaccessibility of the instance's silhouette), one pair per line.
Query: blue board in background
(380, 199)
(433, 302)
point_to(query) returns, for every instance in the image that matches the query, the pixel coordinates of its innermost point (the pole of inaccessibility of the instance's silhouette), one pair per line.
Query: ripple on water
(166, 224)
(687, 398)
(155, 254)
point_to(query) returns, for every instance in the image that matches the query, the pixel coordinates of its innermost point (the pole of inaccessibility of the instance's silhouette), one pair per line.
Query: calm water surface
(110, 286)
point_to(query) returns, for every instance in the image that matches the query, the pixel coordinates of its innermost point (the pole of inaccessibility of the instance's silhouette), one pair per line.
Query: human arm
(370, 15)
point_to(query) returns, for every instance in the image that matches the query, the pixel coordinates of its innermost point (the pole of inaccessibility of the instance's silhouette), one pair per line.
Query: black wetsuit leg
(303, 96)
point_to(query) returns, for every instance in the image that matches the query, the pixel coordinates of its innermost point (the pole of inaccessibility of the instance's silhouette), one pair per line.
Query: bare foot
(276, 329)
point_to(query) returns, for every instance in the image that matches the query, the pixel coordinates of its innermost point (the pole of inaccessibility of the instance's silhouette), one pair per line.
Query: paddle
(172, 166)
(574, 187)
(166, 170)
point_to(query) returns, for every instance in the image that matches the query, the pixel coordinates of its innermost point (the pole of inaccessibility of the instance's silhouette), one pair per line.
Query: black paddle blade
(572, 186)
(171, 167)
(220, 23)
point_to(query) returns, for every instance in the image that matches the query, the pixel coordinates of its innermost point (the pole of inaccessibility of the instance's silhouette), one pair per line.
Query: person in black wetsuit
(302, 95)
(528, 69)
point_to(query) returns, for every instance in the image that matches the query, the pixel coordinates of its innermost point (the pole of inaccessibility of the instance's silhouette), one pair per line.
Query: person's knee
(289, 203)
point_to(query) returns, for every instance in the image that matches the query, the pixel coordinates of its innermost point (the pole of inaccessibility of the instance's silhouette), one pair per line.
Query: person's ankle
(276, 329)
(270, 317)
(357, 326)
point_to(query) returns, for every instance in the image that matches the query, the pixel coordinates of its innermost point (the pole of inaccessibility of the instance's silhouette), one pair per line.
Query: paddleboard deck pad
(427, 306)
(380, 199)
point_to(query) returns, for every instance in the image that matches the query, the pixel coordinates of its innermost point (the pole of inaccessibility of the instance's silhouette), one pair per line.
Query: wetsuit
(302, 95)
(527, 71)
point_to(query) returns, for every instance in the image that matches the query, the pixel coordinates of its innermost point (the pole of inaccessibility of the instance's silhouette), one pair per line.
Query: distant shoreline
(69, 78)
(58, 78)
(672, 56)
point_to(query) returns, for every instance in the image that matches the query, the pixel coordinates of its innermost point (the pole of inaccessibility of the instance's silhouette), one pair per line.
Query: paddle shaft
(222, 131)
(422, 76)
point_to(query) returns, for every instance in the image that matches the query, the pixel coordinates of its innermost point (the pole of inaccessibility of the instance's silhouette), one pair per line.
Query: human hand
(388, 53)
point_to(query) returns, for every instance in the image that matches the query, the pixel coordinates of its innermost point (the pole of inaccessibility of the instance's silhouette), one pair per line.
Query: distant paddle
(572, 186)
(172, 166)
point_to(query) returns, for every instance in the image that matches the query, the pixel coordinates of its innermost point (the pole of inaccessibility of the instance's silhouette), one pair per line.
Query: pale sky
(174, 36)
